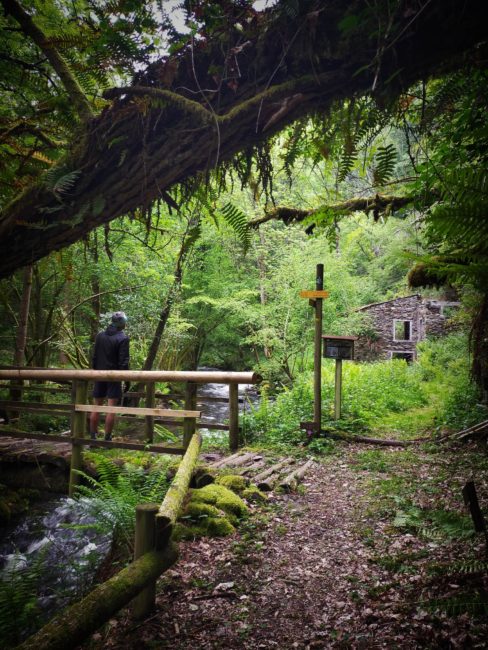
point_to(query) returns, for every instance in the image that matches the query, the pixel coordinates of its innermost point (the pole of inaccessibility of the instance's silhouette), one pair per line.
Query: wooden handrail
(197, 376)
(128, 410)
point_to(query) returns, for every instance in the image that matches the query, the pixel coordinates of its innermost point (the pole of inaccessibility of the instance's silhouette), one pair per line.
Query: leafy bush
(445, 362)
(369, 391)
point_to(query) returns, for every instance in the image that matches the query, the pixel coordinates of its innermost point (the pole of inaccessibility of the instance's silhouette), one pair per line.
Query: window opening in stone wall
(402, 330)
(407, 356)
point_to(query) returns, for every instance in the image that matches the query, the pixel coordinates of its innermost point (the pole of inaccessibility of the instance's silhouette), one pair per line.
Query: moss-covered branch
(76, 623)
(183, 103)
(378, 204)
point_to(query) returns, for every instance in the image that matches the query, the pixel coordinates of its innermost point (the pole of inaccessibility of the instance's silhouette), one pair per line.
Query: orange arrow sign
(314, 294)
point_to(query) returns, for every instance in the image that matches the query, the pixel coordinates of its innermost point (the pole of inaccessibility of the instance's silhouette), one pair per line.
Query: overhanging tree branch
(378, 204)
(158, 144)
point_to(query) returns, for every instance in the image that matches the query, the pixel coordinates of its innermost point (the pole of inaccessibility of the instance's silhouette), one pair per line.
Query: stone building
(394, 327)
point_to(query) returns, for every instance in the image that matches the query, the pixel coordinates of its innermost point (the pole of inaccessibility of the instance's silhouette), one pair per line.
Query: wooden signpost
(315, 298)
(339, 348)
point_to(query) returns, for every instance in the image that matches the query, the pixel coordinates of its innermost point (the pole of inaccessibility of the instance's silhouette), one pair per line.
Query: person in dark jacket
(111, 353)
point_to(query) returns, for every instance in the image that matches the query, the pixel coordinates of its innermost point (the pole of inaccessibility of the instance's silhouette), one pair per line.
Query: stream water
(218, 412)
(57, 548)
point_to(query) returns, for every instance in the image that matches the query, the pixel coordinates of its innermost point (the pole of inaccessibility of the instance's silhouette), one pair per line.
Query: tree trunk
(21, 338)
(172, 294)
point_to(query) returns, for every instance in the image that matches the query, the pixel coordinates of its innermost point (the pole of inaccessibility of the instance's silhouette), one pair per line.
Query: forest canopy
(86, 106)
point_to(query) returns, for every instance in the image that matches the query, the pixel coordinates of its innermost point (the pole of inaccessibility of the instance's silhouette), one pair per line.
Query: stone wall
(383, 316)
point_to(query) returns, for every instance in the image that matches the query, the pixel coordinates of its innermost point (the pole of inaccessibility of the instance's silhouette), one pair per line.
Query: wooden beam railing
(79, 406)
(154, 553)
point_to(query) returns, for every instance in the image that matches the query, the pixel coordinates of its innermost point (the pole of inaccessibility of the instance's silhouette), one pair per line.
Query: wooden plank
(106, 444)
(150, 389)
(129, 410)
(35, 387)
(200, 400)
(58, 413)
(78, 430)
(34, 406)
(233, 417)
(211, 426)
(134, 446)
(315, 293)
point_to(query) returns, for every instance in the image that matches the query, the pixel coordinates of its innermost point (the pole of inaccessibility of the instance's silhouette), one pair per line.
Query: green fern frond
(472, 603)
(385, 159)
(59, 181)
(238, 222)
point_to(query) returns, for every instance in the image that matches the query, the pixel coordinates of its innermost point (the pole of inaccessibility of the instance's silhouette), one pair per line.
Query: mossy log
(173, 501)
(76, 623)
(201, 477)
(382, 442)
(267, 484)
(240, 460)
(272, 470)
(259, 464)
(290, 482)
(223, 461)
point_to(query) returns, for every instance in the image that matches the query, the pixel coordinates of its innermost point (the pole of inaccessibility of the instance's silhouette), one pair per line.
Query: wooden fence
(78, 407)
(154, 553)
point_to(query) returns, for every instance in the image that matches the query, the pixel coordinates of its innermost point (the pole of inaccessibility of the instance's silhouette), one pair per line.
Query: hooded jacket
(111, 350)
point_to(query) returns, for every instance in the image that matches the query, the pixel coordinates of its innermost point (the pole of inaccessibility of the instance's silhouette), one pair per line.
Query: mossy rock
(213, 527)
(222, 498)
(234, 482)
(196, 510)
(254, 494)
(219, 527)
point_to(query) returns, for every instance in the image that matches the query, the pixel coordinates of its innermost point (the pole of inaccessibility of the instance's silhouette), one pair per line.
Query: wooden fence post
(78, 431)
(338, 389)
(190, 405)
(145, 540)
(233, 416)
(150, 402)
(317, 356)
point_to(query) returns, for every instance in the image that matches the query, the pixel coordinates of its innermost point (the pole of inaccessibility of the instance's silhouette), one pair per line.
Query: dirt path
(302, 572)
(288, 581)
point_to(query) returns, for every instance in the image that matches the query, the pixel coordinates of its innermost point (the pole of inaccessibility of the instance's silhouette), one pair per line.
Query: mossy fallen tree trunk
(161, 131)
(173, 501)
(75, 624)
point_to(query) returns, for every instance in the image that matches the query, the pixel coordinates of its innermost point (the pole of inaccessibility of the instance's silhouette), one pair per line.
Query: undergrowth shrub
(369, 391)
(445, 363)
(20, 612)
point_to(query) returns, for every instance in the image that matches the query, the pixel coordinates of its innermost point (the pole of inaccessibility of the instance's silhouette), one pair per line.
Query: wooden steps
(265, 473)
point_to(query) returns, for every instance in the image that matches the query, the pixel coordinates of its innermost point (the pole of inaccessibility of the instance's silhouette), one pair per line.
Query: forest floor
(374, 551)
